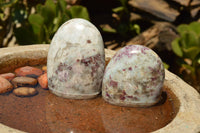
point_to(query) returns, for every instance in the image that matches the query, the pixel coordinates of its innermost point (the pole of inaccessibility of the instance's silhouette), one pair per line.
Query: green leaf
(166, 66)
(195, 26)
(79, 12)
(50, 4)
(191, 52)
(124, 2)
(62, 5)
(36, 21)
(7, 4)
(59, 20)
(109, 30)
(189, 39)
(176, 47)
(39, 8)
(48, 12)
(198, 60)
(182, 28)
(118, 9)
(136, 28)
(62, 14)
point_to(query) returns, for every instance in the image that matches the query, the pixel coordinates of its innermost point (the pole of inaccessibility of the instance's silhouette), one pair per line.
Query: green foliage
(123, 25)
(79, 12)
(187, 46)
(7, 4)
(166, 66)
(37, 23)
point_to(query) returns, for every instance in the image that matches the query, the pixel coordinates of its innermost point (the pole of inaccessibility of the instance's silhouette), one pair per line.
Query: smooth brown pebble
(44, 68)
(24, 81)
(8, 76)
(43, 81)
(5, 85)
(25, 91)
(28, 71)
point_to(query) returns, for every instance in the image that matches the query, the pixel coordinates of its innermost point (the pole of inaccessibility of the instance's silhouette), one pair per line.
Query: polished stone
(133, 77)
(76, 60)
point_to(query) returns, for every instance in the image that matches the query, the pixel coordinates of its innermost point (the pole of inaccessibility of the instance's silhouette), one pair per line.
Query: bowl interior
(46, 112)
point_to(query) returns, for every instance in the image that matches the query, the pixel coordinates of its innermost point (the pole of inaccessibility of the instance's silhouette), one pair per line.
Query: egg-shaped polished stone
(134, 77)
(76, 60)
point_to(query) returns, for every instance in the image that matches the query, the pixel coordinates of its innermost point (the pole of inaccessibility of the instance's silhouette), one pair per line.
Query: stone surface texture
(5, 85)
(8, 76)
(28, 71)
(186, 120)
(76, 60)
(24, 81)
(43, 81)
(134, 77)
(25, 91)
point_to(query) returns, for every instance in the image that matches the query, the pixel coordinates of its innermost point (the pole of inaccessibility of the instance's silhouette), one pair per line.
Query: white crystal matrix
(134, 77)
(76, 60)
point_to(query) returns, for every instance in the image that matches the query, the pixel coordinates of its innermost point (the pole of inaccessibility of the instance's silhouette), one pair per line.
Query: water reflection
(127, 119)
(48, 113)
(77, 116)
(96, 115)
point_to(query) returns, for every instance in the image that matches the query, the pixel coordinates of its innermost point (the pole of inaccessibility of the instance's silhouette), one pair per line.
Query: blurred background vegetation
(169, 27)
(35, 22)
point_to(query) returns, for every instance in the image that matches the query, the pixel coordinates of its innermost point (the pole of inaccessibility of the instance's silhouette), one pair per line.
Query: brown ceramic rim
(186, 120)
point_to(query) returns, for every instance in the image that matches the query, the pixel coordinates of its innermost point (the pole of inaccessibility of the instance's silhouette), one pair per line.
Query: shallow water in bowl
(47, 113)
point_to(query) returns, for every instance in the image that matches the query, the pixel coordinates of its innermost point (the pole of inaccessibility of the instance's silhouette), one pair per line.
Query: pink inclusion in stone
(129, 51)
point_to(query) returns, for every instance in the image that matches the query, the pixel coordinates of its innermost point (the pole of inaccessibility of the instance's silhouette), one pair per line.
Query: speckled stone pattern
(133, 77)
(76, 60)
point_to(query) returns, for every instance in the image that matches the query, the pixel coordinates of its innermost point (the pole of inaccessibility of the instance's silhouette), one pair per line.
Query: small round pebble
(44, 68)
(8, 76)
(25, 91)
(28, 71)
(134, 77)
(5, 85)
(24, 81)
(43, 81)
